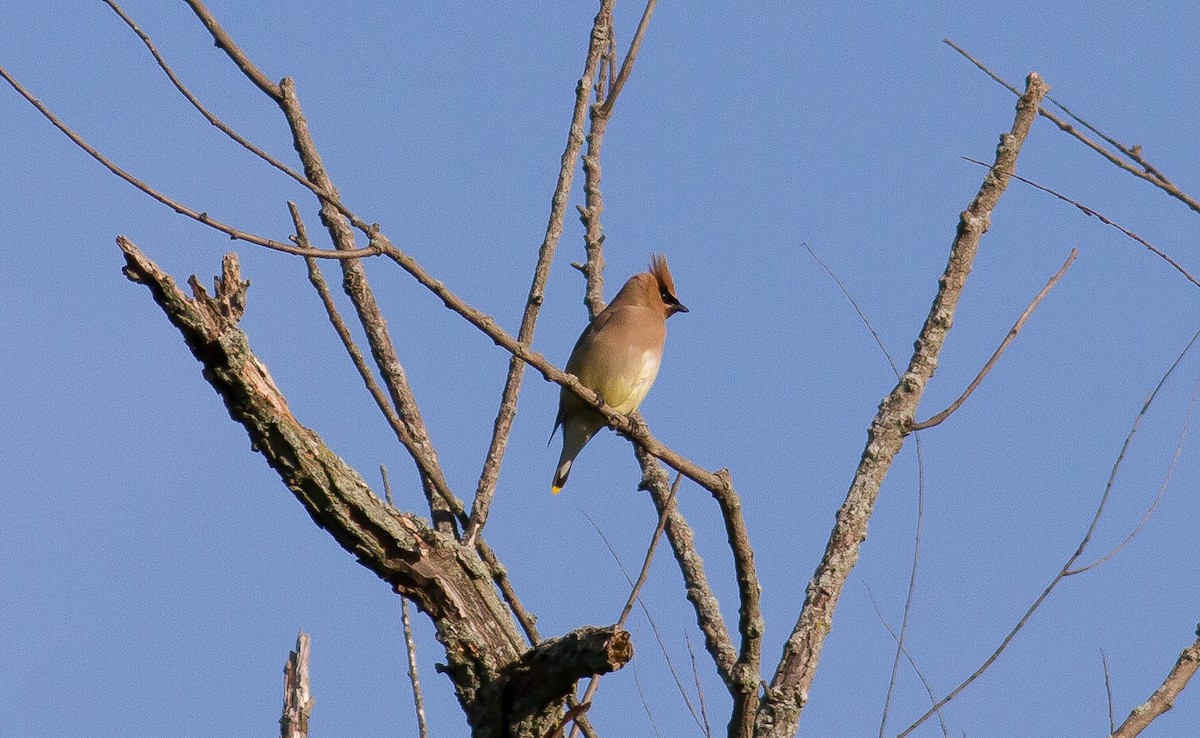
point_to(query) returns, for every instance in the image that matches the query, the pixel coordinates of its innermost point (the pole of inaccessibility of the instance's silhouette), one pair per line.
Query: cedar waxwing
(617, 357)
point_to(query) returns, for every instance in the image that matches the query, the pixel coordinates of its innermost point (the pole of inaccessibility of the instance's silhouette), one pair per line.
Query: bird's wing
(619, 360)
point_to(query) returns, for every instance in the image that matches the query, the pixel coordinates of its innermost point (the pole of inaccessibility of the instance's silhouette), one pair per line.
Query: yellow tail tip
(554, 489)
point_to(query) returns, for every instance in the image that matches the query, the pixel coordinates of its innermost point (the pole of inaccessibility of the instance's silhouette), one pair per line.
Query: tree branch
(547, 672)
(1164, 697)
(199, 106)
(1008, 339)
(1148, 172)
(414, 678)
(235, 234)
(779, 714)
(428, 567)
(297, 698)
(717, 640)
(1067, 568)
(490, 474)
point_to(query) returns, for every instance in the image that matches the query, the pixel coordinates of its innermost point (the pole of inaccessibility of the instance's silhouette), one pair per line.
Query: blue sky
(155, 571)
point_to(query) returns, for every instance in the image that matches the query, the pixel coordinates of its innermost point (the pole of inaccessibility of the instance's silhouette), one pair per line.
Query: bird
(617, 357)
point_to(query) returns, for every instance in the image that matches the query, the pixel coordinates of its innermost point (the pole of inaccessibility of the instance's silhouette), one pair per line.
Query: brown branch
(414, 678)
(1150, 174)
(1008, 339)
(1108, 693)
(225, 43)
(589, 215)
(189, 212)
(354, 280)
(199, 106)
(472, 623)
(618, 82)
(747, 671)
(546, 673)
(502, 427)
(1106, 221)
(297, 697)
(1067, 568)
(779, 714)
(1164, 697)
(360, 363)
(717, 640)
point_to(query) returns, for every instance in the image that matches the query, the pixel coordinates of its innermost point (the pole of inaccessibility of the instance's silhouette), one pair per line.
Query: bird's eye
(666, 296)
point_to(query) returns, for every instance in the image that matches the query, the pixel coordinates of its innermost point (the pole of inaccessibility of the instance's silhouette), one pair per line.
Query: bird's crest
(662, 274)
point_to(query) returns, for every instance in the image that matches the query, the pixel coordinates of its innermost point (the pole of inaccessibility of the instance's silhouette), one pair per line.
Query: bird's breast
(636, 383)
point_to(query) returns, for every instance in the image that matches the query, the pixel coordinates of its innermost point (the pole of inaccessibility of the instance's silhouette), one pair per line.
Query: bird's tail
(560, 475)
(577, 431)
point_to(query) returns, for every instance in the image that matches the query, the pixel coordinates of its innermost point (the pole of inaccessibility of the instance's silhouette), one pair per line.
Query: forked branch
(779, 714)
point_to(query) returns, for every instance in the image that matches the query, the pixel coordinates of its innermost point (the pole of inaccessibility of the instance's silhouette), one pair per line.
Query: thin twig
(1008, 339)
(387, 485)
(699, 687)
(902, 649)
(910, 595)
(410, 648)
(297, 695)
(662, 645)
(1133, 152)
(199, 106)
(637, 682)
(645, 572)
(857, 308)
(574, 713)
(627, 65)
(1106, 221)
(1164, 697)
(1150, 174)
(1162, 488)
(189, 212)
(502, 427)
(1067, 568)
(594, 684)
(1108, 692)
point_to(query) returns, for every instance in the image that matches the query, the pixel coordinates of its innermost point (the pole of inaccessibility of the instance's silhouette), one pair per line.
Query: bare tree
(509, 679)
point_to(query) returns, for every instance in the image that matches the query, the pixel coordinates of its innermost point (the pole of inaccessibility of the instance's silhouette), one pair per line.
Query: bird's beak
(678, 307)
